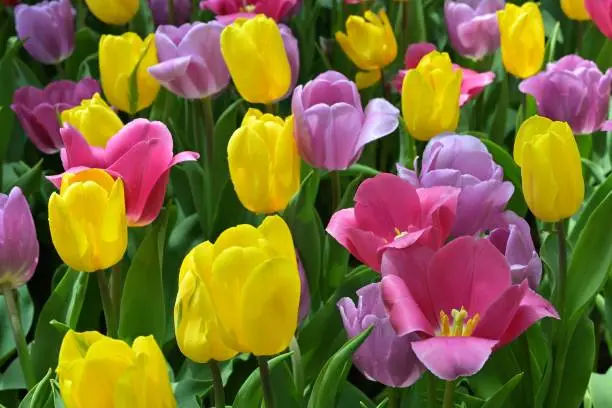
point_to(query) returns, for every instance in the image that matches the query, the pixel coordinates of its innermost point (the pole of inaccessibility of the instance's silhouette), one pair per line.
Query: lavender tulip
(472, 26)
(18, 243)
(463, 161)
(513, 239)
(293, 55)
(47, 29)
(38, 109)
(384, 356)
(161, 16)
(190, 61)
(331, 127)
(573, 90)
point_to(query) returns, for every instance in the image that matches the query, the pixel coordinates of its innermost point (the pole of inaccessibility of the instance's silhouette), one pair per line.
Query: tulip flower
(190, 61)
(573, 90)
(47, 30)
(463, 161)
(370, 43)
(18, 242)
(117, 12)
(147, 143)
(87, 220)
(96, 371)
(472, 82)
(331, 127)
(161, 14)
(384, 357)
(229, 10)
(575, 9)
(390, 213)
(305, 301)
(551, 168)
(124, 64)
(260, 77)
(522, 38)
(601, 13)
(472, 26)
(96, 121)
(37, 109)
(430, 96)
(513, 239)
(263, 162)
(460, 301)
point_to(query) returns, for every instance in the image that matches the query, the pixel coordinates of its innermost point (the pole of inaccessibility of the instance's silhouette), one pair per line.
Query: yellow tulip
(551, 170)
(255, 55)
(117, 12)
(575, 10)
(430, 96)
(87, 220)
(124, 64)
(95, 371)
(522, 38)
(96, 121)
(264, 163)
(370, 43)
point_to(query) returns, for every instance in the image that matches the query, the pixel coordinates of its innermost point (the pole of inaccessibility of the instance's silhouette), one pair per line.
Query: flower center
(399, 234)
(461, 325)
(248, 8)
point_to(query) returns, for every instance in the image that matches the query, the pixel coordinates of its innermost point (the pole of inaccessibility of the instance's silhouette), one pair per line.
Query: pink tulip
(390, 213)
(140, 153)
(461, 302)
(601, 13)
(228, 10)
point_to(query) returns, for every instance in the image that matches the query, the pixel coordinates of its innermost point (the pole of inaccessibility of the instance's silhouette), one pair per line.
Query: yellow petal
(531, 129)
(367, 79)
(117, 12)
(575, 9)
(279, 241)
(148, 87)
(285, 166)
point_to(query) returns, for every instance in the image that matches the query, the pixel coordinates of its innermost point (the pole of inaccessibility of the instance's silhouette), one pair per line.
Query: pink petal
(381, 119)
(438, 209)
(416, 52)
(77, 152)
(496, 319)
(404, 313)
(607, 126)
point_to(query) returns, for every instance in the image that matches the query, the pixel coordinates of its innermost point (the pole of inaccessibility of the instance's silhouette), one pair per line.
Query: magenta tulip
(601, 13)
(228, 10)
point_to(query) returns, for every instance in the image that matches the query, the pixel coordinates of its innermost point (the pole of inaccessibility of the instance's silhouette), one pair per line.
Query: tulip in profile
(551, 168)
(161, 14)
(601, 13)
(87, 220)
(460, 301)
(117, 12)
(331, 127)
(370, 43)
(263, 162)
(96, 121)
(575, 9)
(124, 64)
(229, 10)
(430, 96)
(522, 38)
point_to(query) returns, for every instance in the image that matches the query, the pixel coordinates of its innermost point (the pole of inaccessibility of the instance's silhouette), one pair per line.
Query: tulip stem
(217, 384)
(209, 128)
(394, 397)
(107, 304)
(561, 284)
(431, 390)
(296, 364)
(334, 177)
(449, 395)
(171, 12)
(116, 286)
(20, 341)
(266, 381)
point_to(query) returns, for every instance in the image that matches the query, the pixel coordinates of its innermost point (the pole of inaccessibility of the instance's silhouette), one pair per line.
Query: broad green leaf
(40, 396)
(29, 181)
(26, 311)
(498, 126)
(600, 389)
(86, 44)
(7, 88)
(600, 193)
(499, 398)
(188, 391)
(351, 396)
(250, 393)
(224, 128)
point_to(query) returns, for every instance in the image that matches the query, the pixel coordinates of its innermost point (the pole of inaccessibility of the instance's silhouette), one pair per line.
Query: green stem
(449, 394)
(271, 108)
(60, 71)
(217, 384)
(209, 129)
(334, 177)
(561, 284)
(266, 381)
(171, 12)
(524, 107)
(18, 334)
(431, 390)
(107, 304)
(394, 397)
(296, 364)
(116, 287)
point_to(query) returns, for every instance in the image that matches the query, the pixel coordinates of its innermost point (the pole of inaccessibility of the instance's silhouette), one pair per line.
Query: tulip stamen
(461, 326)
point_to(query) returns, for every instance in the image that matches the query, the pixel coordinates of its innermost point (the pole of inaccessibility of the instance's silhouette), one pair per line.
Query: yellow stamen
(444, 324)
(461, 325)
(459, 317)
(471, 325)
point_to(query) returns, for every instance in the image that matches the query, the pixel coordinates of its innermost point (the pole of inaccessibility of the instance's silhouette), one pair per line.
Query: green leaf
(498, 127)
(224, 128)
(40, 395)
(7, 88)
(600, 389)
(351, 396)
(143, 309)
(86, 43)
(551, 44)
(250, 394)
(29, 181)
(26, 311)
(604, 59)
(590, 205)
(334, 372)
(189, 390)
(500, 397)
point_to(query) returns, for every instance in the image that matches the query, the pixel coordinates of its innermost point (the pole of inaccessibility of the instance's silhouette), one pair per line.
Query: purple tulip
(293, 55)
(38, 109)
(182, 11)
(513, 239)
(304, 309)
(190, 60)
(331, 127)
(472, 26)
(463, 161)
(384, 356)
(18, 243)
(573, 90)
(47, 29)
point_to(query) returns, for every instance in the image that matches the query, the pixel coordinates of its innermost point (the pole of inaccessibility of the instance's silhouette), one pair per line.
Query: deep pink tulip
(390, 213)
(601, 13)
(228, 10)
(473, 82)
(140, 153)
(461, 302)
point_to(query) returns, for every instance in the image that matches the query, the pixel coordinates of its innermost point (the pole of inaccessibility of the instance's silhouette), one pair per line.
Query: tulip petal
(381, 119)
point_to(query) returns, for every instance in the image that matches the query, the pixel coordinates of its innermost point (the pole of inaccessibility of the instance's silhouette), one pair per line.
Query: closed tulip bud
(161, 14)
(96, 371)
(264, 163)
(117, 12)
(430, 96)
(124, 71)
(601, 13)
(255, 55)
(370, 43)
(87, 220)
(18, 243)
(551, 169)
(522, 38)
(96, 121)
(575, 9)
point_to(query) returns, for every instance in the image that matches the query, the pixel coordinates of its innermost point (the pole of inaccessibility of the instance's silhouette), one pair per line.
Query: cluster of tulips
(439, 208)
